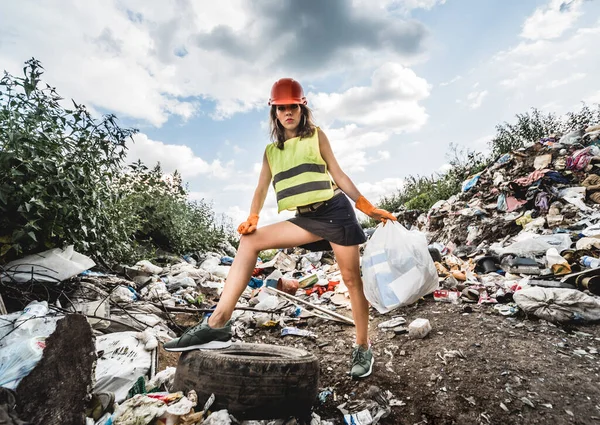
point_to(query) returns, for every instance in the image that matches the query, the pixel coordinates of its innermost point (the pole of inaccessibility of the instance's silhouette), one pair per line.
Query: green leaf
(32, 236)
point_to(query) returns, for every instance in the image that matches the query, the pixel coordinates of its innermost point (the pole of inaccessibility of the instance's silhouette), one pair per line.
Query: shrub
(57, 166)
(162, 215)
(421, 192)
(63, 181)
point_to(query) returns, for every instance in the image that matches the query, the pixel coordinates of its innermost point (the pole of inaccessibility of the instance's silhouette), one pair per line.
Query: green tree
(529, 127)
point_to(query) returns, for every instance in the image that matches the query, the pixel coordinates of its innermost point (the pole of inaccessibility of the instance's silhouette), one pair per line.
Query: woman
(301, 165)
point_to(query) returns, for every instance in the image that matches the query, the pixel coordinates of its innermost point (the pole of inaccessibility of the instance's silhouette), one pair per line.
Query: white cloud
(383, 155)
(476, 98)
(237, 150)
(593, 98)
(375, 191)
(531, 64)
(561, 82)
(481, 144)
(552, 20)
(198, 196)
(152, 59)
(239, 187)
(256, 167)
(175, 157)
(445, 168)
(351, 143)
(237, 214)
(452, 81)
(390, 103)
(420, 4)
(403, 5)
(268, 214)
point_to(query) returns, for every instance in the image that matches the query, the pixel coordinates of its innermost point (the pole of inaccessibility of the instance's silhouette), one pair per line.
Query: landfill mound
(510, 334)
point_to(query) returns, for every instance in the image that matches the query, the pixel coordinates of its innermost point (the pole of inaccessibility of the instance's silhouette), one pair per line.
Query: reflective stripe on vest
(299, 173)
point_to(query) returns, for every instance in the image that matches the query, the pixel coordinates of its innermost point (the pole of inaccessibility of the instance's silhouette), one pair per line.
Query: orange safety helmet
(287, 91)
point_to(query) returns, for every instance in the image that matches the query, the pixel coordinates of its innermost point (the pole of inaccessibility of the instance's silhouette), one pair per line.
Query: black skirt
(334, 221)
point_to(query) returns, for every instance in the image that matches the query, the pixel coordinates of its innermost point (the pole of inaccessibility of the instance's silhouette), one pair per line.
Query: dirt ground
(515, 370)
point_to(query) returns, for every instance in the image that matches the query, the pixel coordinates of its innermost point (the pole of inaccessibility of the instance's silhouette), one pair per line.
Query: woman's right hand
(248, 226)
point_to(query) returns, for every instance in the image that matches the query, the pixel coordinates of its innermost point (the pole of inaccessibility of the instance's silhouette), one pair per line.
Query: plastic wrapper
(54, 265)
(18, 359)
(530, 244)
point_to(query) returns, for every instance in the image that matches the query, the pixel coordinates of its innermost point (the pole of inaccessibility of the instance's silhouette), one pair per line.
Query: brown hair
(306, 128)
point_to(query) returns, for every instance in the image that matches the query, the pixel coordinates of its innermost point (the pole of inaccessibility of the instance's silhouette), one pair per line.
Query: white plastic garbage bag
(530, 244)
(122, 360)
(559, 305)
(54, 265)
(18, 359)
(397, 267)
(148, 267)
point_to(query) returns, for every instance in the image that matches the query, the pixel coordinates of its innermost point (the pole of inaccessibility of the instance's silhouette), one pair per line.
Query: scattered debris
(517, 252)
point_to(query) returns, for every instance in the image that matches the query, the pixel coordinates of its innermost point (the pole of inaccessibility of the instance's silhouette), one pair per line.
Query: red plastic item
(443, 295)
(320, 290)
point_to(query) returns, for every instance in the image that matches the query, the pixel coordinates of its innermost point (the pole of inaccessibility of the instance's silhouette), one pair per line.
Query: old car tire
(252, 381)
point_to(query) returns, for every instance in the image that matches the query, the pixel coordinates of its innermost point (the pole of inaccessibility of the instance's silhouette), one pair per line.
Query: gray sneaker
(362, 362)
(201, 337)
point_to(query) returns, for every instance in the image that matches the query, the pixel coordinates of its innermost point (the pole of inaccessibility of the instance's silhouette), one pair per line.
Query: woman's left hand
(375, 213)
(382, 215)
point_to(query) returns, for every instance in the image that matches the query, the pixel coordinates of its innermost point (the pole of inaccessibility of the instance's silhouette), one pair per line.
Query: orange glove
(248, 226)
(375, 213)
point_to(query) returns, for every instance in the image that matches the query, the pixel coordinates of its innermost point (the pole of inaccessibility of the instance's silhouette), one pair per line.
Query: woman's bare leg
(348, 259)
(279, 235)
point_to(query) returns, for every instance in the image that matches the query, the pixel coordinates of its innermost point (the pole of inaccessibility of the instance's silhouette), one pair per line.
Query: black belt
(313, 207)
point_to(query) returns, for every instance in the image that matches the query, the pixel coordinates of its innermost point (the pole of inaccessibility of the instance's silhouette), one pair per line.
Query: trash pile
(522, 236)
(525, 232)
(135, 309)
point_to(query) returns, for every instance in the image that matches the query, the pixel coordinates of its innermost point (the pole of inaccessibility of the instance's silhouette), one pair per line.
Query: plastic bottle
(27, 320)
(592, 262)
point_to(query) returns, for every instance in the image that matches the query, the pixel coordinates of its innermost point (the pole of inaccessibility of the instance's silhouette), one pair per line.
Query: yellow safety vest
(299, 173)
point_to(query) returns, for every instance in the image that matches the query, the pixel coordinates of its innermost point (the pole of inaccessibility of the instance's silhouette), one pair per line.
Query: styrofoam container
(419, 328)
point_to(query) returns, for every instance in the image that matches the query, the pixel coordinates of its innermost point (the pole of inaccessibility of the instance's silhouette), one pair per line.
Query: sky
(391, 82)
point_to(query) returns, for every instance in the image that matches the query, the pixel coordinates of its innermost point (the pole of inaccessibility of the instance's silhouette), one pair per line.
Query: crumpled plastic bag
(148, 267)
(182, 407)
(220, 417)
(18, 359)
(54, 265)
(558, 305)
(531, 244)
(164, 377)
(139, 410)
(148, 338)
(123, 361)
(397, 267)
(155, 291)
(557, 263)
